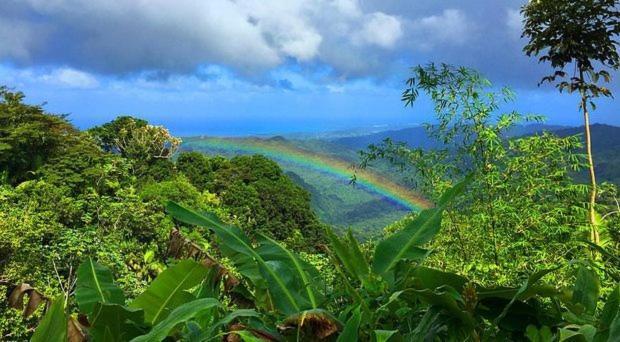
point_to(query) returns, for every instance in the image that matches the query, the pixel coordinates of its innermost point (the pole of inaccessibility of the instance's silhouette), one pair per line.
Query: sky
(239, 67)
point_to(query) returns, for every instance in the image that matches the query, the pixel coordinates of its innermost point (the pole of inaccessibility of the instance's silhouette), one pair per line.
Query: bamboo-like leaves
(95, 284)
(169, 290)
(405, 244)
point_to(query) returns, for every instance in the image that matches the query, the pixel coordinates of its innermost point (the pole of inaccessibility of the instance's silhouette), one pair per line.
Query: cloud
(381, 30)
(65, 78)
(123, 37)
(71, 78)
(451, 27)
(19, 39)
(324, 41)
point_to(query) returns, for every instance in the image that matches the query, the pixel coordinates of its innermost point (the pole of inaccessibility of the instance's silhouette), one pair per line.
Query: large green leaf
(95, 284)
(611, 312)
(405, 244)
(351, 327)
(169, 290)
(235, 245)
(538, 335)
(224, 321)
(586, 289)
(524, 289)
(53, 326)
(113, 322)
(614, 329)
(349, 254)
(270, 250)
(445, 297)
(384, 335)
(179, 315)
(431, 278)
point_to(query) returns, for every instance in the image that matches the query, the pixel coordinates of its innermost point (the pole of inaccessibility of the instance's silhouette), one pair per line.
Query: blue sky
(252, 66)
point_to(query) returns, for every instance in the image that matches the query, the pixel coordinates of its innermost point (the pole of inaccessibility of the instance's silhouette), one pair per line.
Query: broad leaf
(523, 290)
(95, 284)
(53, 326)
(236, 246)
(169, 290)
(113, 322)
(211, 332)
(349, 254)
(349, 332)
(384, 335)
(310, 281)
(179, 315)
(444, 297)
(431, 278)
(538, 335)
(611, 310)
(614, 329)
(405, 244)
(586, 289)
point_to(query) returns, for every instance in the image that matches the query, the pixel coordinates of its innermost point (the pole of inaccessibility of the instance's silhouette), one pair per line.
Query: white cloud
(452, 27)
(70, 78)
(381, 29)
(119, 36)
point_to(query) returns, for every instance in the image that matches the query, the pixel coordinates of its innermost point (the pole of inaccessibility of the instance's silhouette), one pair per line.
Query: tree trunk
(594, 235)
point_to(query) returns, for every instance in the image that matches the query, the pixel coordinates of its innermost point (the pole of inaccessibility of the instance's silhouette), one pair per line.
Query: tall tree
(578, 35)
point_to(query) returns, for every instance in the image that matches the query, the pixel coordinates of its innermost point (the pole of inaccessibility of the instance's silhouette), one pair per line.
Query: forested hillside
(507, 237)
(67, 195)
(606, 142)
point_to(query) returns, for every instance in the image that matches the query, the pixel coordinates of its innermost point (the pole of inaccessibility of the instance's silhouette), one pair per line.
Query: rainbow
(276, 150)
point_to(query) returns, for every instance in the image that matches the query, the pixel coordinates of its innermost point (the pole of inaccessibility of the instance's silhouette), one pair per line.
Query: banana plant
(170, 307)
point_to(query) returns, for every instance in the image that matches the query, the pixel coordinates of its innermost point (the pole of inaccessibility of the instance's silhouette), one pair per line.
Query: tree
(134, 138)
(579, 34)
(29, 136)
(196, 167)
(148, 146)
(488, 237)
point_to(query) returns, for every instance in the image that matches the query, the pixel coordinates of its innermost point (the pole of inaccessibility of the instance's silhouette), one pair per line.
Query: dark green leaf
(95, 284)
(179, 315)
(53, 326)
(169, 290)
(113, 322)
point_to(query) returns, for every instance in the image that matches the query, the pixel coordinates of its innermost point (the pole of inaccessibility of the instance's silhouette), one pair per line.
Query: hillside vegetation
(503, 254)
(112, 234)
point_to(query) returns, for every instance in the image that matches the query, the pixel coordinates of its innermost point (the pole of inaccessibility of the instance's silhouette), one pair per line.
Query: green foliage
(412, 302)
(95, 284)
(29, 137)
(583, 36)
(108, 134)
(258, 195)
(169, 290)
(148, 146)
(197, 168)
(488, 236)
(53, 326)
